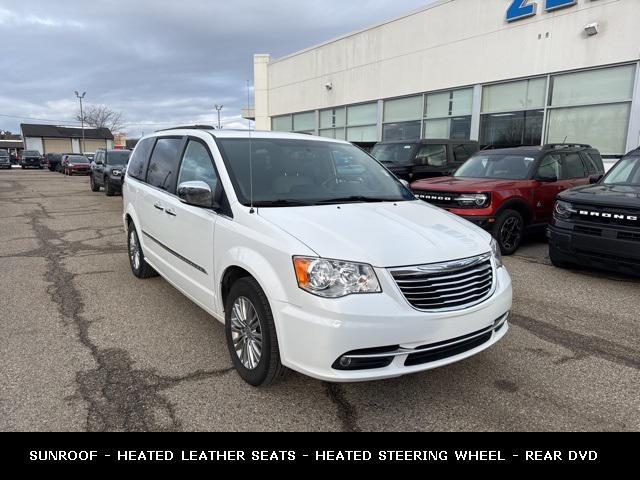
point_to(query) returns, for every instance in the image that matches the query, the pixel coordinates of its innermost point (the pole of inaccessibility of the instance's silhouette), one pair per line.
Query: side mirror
(593, 179)
(405, 183)
(547, 178)
(196, 193)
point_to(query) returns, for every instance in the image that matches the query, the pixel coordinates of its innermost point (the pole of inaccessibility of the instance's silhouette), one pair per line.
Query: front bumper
(313, 338)
(116, 181)
(606, 252)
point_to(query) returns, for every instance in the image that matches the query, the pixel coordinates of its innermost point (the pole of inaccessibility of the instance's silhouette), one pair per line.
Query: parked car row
(5, 159)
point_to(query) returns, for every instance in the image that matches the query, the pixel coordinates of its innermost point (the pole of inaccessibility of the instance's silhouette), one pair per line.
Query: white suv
(313, 255)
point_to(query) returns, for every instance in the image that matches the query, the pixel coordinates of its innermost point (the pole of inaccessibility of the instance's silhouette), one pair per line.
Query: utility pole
(218, 108)
(81, 97)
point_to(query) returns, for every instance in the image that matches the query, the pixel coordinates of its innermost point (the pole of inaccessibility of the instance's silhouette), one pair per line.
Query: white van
(314, 256)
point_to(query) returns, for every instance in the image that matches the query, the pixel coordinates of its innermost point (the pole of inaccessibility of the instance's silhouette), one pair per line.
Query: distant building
(14, 146)
(131, 144)
(58, 139)
(120, 140)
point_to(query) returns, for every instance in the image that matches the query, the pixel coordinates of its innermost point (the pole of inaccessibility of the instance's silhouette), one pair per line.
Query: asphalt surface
(86, 346)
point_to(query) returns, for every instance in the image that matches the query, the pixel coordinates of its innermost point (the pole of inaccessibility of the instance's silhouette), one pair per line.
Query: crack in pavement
(580, 345)
(347, 413)
(119, 397)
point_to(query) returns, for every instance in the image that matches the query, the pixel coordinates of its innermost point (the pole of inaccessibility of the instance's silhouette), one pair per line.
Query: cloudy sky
(160, 62)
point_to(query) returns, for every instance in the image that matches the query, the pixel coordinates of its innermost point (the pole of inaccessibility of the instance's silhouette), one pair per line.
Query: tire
(556, 261)
(509, 231)
(23, 167)
(92, 183)
(267, 368)
(139, 266)
(108, 188)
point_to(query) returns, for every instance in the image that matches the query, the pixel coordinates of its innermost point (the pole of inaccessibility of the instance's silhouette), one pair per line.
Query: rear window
(118, 158)
(393, 152)
(594, 161)
(30, 153)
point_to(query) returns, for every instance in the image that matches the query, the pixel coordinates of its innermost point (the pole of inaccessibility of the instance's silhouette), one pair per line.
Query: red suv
(510, 191)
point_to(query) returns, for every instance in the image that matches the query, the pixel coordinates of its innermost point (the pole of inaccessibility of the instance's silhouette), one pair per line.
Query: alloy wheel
(246, 332)
(134, 250)
(510, 233)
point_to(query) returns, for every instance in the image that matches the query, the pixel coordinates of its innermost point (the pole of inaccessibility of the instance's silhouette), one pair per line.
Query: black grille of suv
(446, 286)
(440, 199)
(603, 216)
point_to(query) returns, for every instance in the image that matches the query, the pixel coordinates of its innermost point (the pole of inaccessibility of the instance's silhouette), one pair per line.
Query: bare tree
(101, 116)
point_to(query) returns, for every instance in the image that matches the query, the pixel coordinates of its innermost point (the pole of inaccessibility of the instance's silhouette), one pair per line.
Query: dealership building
(503, 72)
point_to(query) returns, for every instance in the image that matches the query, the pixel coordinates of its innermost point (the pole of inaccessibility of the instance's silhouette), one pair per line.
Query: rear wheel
(139, 266)
(251, 334)
(509, 231)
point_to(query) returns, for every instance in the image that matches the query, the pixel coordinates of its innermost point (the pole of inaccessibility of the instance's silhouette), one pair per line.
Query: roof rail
(551, 146)
(184, 127)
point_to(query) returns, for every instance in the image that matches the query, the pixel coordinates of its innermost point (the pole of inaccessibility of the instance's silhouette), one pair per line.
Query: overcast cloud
(160, 62)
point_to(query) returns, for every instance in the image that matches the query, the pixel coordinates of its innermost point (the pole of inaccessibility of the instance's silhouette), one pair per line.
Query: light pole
(218, 108)
(80, 97)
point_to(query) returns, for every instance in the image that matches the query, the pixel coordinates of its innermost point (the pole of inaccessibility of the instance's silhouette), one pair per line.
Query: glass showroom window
(282, 124)
(448, 114)
(592, 107)
(513, 113)
(333, 122)
(361, 123)
(304, 122)
(402, 118)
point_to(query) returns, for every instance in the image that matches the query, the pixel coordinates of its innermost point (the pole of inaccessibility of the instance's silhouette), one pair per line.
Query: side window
(432, 155)
(163, 166)
(197, 165)
(461, 154)
(550, 166)
(572, 166)
(139, 158)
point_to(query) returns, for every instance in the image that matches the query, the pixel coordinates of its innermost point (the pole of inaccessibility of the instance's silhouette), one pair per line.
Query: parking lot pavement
(86, 346)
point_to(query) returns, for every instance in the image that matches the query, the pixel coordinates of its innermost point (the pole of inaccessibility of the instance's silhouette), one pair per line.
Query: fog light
(345, 362)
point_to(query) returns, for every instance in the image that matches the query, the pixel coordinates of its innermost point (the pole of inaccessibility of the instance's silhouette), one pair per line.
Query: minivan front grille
(446, 286)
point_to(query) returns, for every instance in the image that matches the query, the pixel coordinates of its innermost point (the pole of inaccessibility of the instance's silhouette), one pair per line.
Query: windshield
(307, 172)
(507, 167)
(625, 172)
(30, 153)
(78, 159)
(393, 152)
(118, 158)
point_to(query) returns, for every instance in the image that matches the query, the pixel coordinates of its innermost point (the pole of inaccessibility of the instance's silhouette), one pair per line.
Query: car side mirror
(405, 183)
(197, 193)
(593, 179)
(547, 178)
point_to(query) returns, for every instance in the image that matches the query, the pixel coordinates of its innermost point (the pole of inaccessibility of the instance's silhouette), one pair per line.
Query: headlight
(70, 165)
(497, 253)
(334, 278)
(563, 209)
(116, 173)
(473, 200)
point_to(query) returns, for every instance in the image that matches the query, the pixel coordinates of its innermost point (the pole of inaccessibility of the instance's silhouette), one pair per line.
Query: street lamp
(218, 108)
(80, 97)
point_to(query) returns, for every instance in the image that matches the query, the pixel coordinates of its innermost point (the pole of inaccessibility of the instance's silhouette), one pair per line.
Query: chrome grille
(446, 286)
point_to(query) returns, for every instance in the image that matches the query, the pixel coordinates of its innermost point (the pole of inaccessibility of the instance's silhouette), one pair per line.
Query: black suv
(53, 161)
(5, 159)
(416, 159)
(599, 225)
(107, 170)
(31, 158)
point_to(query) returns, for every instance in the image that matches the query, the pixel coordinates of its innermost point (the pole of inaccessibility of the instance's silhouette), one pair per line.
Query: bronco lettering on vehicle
(615, 216)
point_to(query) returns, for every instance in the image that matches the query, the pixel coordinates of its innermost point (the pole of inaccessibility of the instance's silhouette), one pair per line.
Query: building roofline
(437, 3)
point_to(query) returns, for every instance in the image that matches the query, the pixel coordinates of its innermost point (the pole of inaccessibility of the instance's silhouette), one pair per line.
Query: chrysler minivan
(314, 256)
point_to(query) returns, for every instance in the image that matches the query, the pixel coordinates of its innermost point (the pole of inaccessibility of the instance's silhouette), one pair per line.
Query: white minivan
(314, 256)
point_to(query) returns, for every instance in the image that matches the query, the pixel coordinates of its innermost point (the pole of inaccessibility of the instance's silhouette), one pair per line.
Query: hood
(465, 185)
(382, 234)
(605, 195)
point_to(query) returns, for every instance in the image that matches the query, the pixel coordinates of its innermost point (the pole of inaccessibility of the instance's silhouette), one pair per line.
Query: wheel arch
(519, 205)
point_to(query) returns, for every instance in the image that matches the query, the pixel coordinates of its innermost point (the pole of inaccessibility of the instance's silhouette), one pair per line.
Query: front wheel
(509, 231)
(94, 186)
(108, 188)
(251, 334)
(139, 266)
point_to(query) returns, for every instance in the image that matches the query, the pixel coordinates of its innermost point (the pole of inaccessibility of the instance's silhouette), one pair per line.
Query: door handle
(169, 211)
(158, 206)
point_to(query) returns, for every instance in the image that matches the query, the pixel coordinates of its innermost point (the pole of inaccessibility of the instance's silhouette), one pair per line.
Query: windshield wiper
(356, 199)
(282, 203)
